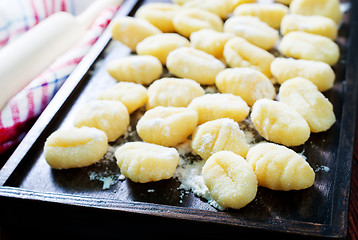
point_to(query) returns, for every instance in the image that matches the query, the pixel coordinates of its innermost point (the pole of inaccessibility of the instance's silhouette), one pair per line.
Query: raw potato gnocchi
(309, 46)
(280, 168)
(230, 180)
(238, 52)
(327, 8)
(132, 95)
(210, 41)
(130, 31)
(279, 123)
(221, 8)
(75, 147)
(192, 19)
(160, 45)
(247, 83)
(159, 14)
(319, 73)
(214, 106)
(145, 162)
(312, 24)
(218, 135)
(194, 64)
(271, 14)
(303, 96)
(173, 92)
(137, 69)
(167, 126)
(253, 30)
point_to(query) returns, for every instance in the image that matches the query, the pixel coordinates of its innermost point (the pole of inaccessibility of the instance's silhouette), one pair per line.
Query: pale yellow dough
(146, 162)
(173, 92)
(280, 168)
(111, 117)
(218, 135)
(279, 123)
(303, 96)
(214, 106)
(221, 8)
(247, 83)
(167, 126)
(230, 179)
(75, 147)
(132, 95)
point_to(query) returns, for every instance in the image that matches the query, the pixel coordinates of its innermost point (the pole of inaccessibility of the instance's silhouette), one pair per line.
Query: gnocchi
(146, 162)
(312, 24)
(159, 14)
(132, 95)
(130, 31)
(218, 135)
(221, 8)
(279, 123)
(137, 69)
(160, 45)
(190, 20)
(247, 83)
(327, 8)
(173, 92)
(309, 46)
(238, 52)
(253, 30)
(303, 96)
(319, 73)
(75, 147)
(271, 14)
(194, 64)
(230, 179)
(167, 126)
(280, 168)
(210, 41)
(109, 116)
(214, 106)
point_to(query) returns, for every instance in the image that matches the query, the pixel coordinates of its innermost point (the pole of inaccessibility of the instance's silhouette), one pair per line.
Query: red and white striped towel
(23, 109)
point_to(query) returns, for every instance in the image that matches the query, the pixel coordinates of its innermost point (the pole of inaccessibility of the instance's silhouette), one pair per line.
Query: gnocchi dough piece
(312, 24)
(309, 46)
(230, 179)
(159, 14)
(221, 8)
(253, 30)
(75, 147)
(247, 83)
(218, 135)
(286, 2)
(238, 52)
(173, 92)
(210, 41)
(327, 8)
(109, 116)
(194, 64)
(167, 126)
(239, 2)
(130, 31)
(146, 162)
(271, 14)
(279, 123)
(137, 69)
(319, 73)
(192, 19)
(280, 168)
(303, 96)
(214, 106)
(132, 95)
(161, 45)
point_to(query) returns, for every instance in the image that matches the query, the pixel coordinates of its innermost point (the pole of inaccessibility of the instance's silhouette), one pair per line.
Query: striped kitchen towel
(23, 109)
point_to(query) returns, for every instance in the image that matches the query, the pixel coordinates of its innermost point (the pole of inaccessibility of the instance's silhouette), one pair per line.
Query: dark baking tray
(322, 210)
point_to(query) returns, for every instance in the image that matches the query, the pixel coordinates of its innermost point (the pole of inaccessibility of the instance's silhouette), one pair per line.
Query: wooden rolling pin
(25, 58)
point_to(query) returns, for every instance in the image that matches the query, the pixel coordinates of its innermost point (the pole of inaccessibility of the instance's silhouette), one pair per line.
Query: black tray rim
(337, 228)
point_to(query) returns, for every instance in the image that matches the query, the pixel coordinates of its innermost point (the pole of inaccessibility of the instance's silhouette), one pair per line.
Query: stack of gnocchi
(228, 44)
